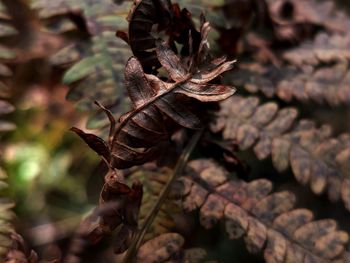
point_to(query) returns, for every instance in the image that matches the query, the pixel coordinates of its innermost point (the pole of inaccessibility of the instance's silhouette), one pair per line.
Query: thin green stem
(180, 165)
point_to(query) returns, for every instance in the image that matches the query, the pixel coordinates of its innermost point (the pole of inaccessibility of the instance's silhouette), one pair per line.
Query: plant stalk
(180, 165)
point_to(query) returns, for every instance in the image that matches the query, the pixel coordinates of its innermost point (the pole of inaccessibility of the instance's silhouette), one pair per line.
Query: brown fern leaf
(118, 209)
(325, 48)
(268, 222)
(324, 83)
(143, 16)
(124, 212)
(169, 248)
(139, 131)
(316, 158)
(176, 23)
(288, 21)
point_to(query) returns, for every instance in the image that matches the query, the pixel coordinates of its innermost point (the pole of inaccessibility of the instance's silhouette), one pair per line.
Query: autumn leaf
(267, 221)
(140, 130)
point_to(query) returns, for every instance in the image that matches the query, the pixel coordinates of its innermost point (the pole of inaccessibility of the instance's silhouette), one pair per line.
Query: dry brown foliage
(315, 157)
(287, 50)
(267, 221)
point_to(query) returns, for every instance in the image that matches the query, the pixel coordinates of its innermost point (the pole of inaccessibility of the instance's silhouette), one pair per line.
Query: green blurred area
(49, 167)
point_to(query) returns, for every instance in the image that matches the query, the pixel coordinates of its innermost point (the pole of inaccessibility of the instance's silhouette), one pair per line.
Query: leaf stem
(148, 103)
(180, 165)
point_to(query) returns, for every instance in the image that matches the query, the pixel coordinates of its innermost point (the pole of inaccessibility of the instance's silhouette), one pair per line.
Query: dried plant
(150, 69)
(153, 100)
(316, 158)
(267, 221)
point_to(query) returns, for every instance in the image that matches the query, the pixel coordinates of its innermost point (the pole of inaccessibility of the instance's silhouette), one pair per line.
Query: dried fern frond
(316, 158)
(325, 48)
(136, 138)
(323, 84)
(169, 248)
(267, 221)
(96, 64)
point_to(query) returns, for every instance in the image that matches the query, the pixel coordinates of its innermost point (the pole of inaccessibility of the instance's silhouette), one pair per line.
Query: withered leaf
(195, 198)
(288, 222)
(324, 49)
(142, 17)
(94, 142)
(280, 153)
(301, 164)
(256, 236)
(134, 140)
(235, 221)
(171, 63)
(273, 205)
(310, 232)
(323, 82)
(151, 18)
(316, 158)
(139, 89)
(161, 248)
(212, 211)
(276, 247)
(119, 207)
(125, 237)
(170, 104)
(331, 245)
(268, 222)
